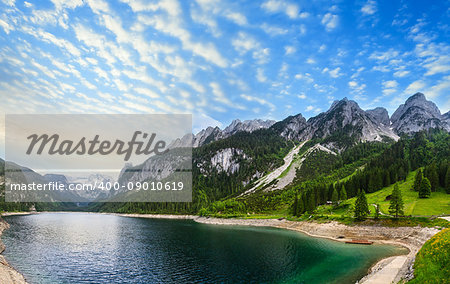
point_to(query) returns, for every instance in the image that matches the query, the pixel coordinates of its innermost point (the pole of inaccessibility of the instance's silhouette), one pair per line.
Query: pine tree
(425, 188)
(361, 208)
(433, 177)
(311, 203)
(295, 206)
(447, 180)
(343, 194)
(335, 197)
(300, 206)
(418, 180)
(396, 204)
(377, 211)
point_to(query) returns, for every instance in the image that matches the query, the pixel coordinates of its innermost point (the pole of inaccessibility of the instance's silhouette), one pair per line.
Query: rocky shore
(8, 275)
(389, 270)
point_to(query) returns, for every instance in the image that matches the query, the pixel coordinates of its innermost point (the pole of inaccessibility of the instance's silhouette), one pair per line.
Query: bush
(432, 261)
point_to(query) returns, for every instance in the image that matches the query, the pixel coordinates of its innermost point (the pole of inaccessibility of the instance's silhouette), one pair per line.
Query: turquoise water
(97, 248)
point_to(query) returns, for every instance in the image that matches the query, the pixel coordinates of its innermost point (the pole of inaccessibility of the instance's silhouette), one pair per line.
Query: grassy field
(432, 261)
(437, 204)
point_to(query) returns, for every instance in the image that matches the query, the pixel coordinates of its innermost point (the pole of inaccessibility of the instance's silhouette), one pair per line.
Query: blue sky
(221, 60)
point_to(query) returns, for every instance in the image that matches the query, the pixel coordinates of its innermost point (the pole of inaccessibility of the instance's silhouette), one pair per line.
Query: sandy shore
(388, 270)
(7, 273)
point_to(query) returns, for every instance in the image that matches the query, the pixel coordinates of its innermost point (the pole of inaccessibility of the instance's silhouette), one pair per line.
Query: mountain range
(343, 125)
(343, 117)
(248, 150)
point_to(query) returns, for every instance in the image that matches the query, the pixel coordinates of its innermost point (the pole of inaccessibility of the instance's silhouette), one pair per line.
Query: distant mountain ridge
(344, 116)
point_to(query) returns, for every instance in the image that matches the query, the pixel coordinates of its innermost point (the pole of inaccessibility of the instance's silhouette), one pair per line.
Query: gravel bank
(7, 273)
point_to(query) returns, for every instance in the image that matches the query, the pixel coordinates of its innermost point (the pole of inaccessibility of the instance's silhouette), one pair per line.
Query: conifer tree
(433, 177)
(343, 194)
(418, 180)
(377, 211)
(335, 197)
(447, 180)
(361, 207)
(425, 188)
(396, 204)
(295, 206)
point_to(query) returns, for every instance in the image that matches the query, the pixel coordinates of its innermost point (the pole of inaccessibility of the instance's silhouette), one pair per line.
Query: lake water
(97, 248)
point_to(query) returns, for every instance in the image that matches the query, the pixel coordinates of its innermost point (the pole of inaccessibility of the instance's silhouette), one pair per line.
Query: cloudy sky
(220, 60)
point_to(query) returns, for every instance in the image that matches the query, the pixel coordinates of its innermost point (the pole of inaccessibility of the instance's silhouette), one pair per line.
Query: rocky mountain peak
(345, 117)
(416, 114)
(380, 114)
(247, 125)
(290, 127)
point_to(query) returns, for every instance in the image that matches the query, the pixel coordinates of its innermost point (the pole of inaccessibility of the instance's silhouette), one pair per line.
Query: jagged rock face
(206, 136)
(446, 117)
(380, 114)
(212, 134)
(417, 114)
(290, 127)
(226, 160)
(247, 126)
(346, 117)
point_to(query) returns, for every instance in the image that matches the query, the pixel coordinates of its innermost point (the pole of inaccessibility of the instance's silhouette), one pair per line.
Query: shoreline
(386, 270)
(7, 273)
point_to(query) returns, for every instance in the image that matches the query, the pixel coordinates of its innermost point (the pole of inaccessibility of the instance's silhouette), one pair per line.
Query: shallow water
(97, 248)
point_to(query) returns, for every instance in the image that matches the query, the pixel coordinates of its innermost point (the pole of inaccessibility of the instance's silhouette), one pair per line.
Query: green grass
(437, 204)
(432, 261)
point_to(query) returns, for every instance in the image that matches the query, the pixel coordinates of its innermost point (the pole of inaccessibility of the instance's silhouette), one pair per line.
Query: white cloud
(335, 73)
(330, 21)
(278, 6)
(401, 73)
(272, 30)
(310, 61)
(384, 55)
(322, 47)
(289, 50)
(313, 109)
(175, 28)
(6, 27)
(146, 92)
(441, 88)
(440, 64)
(356, 87)
(306, 77)
(244, 43)
(302, 29)
(219, 96)
(390, 84)
(260, 75)
(369, 8)
(389, 87)
(301, 96)
(236, 17)
(258, 100)
(414, 87)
